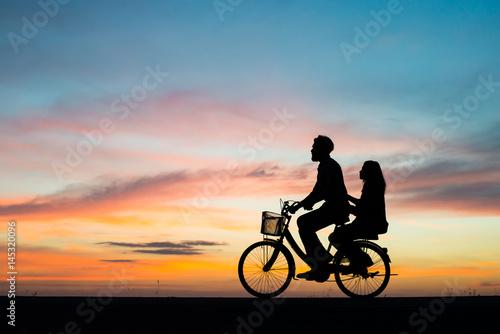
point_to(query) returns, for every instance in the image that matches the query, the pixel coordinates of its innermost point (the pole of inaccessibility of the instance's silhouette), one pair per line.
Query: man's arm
(308, 202)
(324, 184)
(302, 204)
(311, 199)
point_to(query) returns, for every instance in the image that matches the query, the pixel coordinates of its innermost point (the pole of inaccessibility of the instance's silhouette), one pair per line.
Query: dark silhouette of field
(249, 315)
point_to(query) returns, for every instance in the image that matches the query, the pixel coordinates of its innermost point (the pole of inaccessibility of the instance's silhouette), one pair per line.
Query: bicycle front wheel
(366, 283)
(259, 281)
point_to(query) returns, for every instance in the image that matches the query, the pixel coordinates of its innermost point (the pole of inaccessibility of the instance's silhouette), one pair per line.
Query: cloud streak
(167, 247)
(107, 195)
(451, 185)
(440, 184)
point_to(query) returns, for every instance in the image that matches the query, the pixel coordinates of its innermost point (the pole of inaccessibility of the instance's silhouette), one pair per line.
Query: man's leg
(309, 224)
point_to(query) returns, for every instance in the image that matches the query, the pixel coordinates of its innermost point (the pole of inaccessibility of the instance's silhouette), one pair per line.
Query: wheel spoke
(262, 283)
(372, 282)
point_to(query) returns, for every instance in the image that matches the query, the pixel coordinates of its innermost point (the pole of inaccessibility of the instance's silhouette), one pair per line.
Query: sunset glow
(141, 141)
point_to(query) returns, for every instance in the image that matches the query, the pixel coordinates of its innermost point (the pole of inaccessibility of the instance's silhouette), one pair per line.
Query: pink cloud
(202, 137)
(245, 180)
(455, 185)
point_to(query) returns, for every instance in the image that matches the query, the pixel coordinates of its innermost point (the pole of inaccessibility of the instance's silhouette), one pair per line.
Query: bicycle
(267, 267)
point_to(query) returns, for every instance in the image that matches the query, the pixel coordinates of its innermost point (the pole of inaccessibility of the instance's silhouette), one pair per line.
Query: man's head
(321, 148)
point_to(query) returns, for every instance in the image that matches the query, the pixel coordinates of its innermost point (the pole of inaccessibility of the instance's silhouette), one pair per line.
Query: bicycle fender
(384, 250)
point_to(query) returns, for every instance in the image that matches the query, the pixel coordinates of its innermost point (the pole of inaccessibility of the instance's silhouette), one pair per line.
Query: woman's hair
(373, 177)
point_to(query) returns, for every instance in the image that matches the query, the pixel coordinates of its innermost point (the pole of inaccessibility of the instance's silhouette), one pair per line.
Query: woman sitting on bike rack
(369, 211)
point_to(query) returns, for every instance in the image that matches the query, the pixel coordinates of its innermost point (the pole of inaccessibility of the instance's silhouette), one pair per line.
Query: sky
(141, 140)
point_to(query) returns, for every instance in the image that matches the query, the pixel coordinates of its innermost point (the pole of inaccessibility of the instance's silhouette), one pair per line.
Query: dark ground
(248, 315)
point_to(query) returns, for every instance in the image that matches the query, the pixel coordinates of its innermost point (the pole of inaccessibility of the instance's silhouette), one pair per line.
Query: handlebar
(286, 205)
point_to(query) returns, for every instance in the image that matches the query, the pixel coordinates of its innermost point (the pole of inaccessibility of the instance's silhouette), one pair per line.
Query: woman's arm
(353, 209)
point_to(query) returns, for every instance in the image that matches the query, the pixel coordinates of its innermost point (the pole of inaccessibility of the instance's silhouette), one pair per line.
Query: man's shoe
(305, 275)
(318, 276)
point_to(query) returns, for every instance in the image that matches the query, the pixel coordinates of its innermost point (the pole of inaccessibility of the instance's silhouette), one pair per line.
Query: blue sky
(229, 74)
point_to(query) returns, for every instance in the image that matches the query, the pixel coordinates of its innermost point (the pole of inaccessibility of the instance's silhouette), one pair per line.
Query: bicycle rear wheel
(363, 283)
(266, 283)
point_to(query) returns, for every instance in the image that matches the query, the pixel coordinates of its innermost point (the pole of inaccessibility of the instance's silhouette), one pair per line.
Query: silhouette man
(329, 187)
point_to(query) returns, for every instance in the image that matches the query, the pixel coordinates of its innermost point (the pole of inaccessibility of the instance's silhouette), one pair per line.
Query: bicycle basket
(272, 223)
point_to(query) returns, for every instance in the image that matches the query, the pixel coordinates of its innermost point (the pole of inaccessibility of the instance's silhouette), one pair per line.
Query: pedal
(322, 277)
(332, 268)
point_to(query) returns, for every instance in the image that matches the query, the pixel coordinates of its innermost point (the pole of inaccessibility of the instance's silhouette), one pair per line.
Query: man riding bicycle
(329, 187)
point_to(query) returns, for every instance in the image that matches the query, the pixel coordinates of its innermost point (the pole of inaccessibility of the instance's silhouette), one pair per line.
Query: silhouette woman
(369, 209)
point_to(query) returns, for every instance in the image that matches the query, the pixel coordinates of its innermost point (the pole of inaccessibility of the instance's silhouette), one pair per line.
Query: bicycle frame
(267, 267)
(295, 247)
(288, 236)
